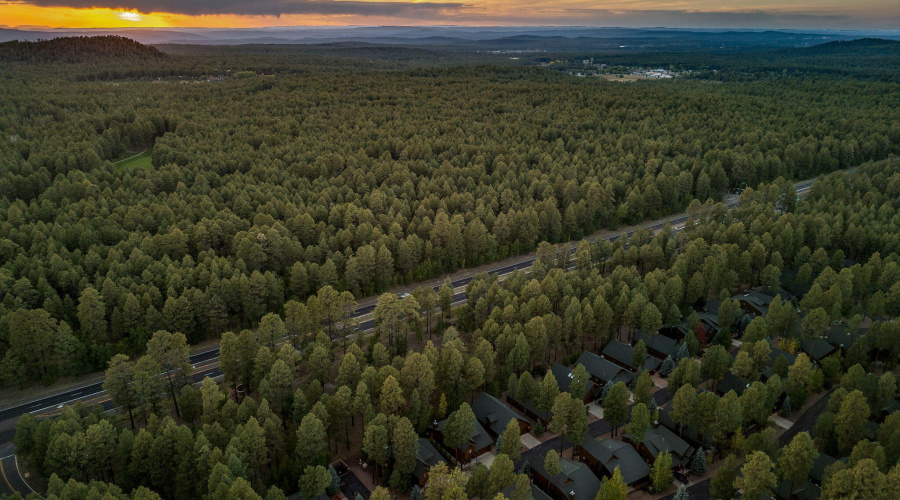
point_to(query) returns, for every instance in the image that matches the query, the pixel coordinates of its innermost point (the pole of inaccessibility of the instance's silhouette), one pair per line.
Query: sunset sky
(830, 14)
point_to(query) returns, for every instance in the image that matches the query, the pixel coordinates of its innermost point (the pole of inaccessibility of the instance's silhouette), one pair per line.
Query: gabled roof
(816, 348)
(576, 481)
(819, 465)
(493, 413)
(711, 320)
(773, 355)
(536, 493)
(479, 437)
(660, 343)
(613, 453)
(604, 369)
(712, 306)
(426, 456)
(756, 297)
(840, 336)
(659, 439)
(622, 353)
(731, 382)
(564, 377)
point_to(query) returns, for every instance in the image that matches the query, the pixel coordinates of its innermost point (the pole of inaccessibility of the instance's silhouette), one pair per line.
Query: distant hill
(77, 49)
(862, 46)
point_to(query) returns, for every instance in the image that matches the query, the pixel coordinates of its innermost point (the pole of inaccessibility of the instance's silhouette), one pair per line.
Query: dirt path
(130, 157)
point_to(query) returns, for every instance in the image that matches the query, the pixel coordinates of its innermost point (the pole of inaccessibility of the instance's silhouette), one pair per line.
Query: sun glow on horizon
(883, 14)
(131, 16)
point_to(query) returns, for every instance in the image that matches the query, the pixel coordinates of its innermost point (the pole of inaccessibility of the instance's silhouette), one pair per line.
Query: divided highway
(206, 363)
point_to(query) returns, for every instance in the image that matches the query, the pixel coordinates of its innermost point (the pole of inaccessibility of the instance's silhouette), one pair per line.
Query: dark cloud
(263, 7)
(751, 19)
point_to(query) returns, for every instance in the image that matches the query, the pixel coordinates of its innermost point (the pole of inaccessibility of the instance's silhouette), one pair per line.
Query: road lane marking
(16, 459)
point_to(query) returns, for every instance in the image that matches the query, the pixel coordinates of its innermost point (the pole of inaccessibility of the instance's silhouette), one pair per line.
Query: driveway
(807, 420)
(351, 485)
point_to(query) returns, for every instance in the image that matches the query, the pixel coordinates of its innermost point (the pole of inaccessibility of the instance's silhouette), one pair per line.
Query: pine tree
(786, 407)
(698, 464)
(668, 366)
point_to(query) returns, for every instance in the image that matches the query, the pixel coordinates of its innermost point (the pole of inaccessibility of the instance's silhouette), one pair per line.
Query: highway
(206, 363)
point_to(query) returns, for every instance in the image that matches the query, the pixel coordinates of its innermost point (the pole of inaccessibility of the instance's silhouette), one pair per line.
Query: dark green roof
(659, 343)
(493, 413)
(613, 453)
(604, 369)
(659, 439)
(480, 438)
(816, 348)
(622, 353)
(576, 481)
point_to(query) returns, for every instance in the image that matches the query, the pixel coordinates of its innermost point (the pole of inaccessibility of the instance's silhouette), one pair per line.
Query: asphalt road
(11, 481)
(206, 363)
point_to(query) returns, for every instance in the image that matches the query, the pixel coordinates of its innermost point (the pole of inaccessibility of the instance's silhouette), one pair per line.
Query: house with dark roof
(530, 410)
(675, 332)
(536, 493)
(658, 345)
(841, 337)
(731, 382)
(712, 306)
(495, 415)
(605, 455)
(755, 301)
(659, 439)
(621, 353)
(479, 443)
(774, 355)
(817, 349)
(710, 322)
(575, 482)
(427, 456)
(603, 371)
(688, 433)
(564, 377)
(809, 489)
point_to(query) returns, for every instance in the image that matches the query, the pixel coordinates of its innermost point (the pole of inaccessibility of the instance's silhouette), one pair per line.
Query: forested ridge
(311, 401)
(270, 187)
(78, 49)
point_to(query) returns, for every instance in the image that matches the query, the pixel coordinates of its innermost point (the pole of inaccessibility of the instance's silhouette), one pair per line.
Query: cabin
(605, 455)
(809, 489)
(603, 371)
(536, 493)
(479, 443)
(841, 337)
(710, 322)
(575, 482)
(675, 332)
(817, 349)
(494, 415)
(658, 345)
(621, 353)
(659, 439)
(688, 433)
(530, 411)
(774, 355)
(754, 301)
(564, 377)
(427, 456)
(731, 382)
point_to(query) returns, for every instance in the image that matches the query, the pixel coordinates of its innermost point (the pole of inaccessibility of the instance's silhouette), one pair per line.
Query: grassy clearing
(141, 160)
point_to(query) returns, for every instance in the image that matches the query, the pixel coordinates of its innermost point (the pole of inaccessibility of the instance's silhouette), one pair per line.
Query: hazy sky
(832, 14)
